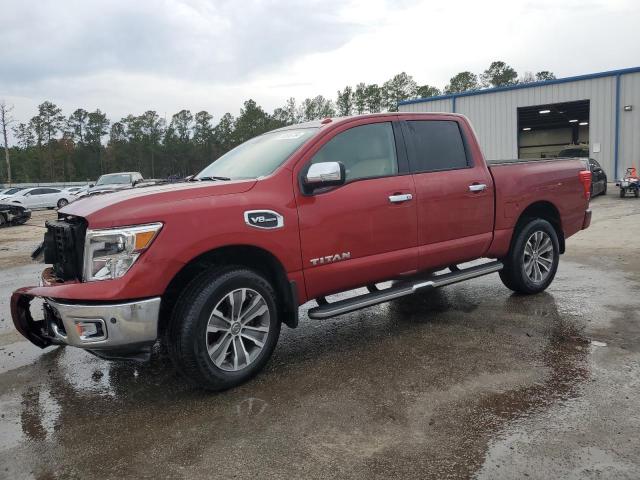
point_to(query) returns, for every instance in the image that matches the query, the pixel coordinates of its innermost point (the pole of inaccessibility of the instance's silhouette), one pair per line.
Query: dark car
(598, 178)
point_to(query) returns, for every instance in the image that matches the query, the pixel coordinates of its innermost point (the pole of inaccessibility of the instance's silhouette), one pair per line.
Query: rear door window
(435, 145)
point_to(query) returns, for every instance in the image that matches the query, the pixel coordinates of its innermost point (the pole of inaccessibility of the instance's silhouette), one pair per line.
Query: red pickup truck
(215, 265)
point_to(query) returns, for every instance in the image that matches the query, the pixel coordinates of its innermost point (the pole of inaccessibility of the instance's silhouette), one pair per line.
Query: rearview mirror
(325, 174)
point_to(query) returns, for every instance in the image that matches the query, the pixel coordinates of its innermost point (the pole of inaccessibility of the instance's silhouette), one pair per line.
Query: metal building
(599, 112)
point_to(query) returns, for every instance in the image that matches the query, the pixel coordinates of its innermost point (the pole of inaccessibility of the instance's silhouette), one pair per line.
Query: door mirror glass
(324, 174)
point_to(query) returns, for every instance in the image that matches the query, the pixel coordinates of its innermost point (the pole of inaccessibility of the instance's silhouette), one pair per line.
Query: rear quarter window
(436, 145)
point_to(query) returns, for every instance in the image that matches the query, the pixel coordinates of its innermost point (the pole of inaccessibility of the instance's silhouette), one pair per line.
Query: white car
(9, 191)
(77, 190)
(39, 197)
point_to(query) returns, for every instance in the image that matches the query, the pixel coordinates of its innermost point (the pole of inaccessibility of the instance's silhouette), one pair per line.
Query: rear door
(51, 197)
(365, 230)
(455, 197)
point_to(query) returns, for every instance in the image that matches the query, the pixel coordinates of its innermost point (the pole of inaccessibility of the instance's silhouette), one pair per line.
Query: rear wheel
(3, 220)
(622, 193)
(224, 328)
(531, 264)
(637, 192)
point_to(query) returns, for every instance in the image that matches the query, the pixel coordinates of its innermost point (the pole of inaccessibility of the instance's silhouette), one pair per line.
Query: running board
(328, 310)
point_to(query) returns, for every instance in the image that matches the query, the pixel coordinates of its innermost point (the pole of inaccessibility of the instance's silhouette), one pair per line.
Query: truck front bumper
(114, 330)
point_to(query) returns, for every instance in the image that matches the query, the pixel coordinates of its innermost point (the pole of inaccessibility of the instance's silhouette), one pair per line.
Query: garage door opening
(547, 130)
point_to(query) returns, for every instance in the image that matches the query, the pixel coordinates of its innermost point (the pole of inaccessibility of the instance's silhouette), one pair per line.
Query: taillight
(585, 179)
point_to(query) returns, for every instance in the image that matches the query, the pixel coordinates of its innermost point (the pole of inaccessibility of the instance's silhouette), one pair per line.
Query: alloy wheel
(538, 256)
(237, 329)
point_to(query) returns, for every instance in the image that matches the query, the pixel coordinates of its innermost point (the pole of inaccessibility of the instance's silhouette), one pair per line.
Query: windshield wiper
(226, 179)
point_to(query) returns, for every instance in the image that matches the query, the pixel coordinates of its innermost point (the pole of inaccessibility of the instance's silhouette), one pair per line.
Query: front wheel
(224, 328)
(63, 202)
(622, 192)
(532, 262)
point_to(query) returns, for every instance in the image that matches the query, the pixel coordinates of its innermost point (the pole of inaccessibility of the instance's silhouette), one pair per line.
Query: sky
(126, 56)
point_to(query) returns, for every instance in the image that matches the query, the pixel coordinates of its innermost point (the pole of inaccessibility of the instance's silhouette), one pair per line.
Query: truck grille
(63, 247)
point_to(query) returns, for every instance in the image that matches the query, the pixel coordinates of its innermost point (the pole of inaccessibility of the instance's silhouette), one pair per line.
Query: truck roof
(325, 122)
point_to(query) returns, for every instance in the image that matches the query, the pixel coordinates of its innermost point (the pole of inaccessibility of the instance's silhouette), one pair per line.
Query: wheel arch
(255, 258)
(547, 211)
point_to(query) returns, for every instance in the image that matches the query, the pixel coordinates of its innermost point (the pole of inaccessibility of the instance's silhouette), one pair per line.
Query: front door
(366, 229)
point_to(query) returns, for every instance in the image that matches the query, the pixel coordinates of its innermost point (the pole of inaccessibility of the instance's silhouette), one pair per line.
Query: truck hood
(143, 204)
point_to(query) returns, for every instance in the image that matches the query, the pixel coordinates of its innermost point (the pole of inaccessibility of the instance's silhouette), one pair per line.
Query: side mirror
(92, 185)
(324, 174)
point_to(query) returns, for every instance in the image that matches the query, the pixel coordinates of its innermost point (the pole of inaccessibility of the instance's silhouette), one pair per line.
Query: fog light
(90, 329)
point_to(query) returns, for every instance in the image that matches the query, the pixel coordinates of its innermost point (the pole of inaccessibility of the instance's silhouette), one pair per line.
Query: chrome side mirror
(324, 174)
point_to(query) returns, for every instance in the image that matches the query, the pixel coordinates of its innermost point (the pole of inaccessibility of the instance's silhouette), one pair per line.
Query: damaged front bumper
(123, 330)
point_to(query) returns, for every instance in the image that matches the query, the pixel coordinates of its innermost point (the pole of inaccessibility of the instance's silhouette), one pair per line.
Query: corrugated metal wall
(495, 116)
(434, 106)
(629, 149)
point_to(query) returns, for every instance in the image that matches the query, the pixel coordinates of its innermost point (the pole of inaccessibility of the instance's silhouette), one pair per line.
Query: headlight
(110, 253)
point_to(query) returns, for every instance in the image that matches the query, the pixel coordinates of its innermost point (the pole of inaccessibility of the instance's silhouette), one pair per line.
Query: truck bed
(519, 183)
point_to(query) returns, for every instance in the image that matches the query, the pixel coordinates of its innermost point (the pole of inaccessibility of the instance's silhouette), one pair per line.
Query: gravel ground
(469, 381)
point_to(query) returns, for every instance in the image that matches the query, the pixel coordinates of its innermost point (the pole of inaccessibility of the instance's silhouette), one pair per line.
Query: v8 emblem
(264, 219)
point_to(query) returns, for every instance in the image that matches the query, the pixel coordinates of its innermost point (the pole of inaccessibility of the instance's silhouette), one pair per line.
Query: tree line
(52, 147)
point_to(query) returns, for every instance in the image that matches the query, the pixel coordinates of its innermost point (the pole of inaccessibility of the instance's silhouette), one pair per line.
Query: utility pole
(5, 120)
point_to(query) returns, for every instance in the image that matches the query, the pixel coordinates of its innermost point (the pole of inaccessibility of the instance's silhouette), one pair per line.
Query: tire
(636, 192)
(622, 193)
(516, 274)
(63, 202)
(3, 220)
(194, 330)
(604, 190)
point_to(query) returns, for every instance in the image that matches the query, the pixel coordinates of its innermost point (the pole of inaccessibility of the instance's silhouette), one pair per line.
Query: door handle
(477, 187)
(400, 197)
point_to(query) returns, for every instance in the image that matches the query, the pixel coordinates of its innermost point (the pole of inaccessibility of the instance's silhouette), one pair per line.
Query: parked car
(598, 175)
(112, 182)
(39, 197)
(77, 190)
(598, 178)
(13, 215)
(215, 266)
(9, 191)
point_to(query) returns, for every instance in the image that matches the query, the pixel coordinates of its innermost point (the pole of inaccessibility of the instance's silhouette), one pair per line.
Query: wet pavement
(469, 381)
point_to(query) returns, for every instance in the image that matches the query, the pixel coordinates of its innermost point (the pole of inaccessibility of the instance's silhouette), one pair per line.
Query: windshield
(11, 191)
(114, 178)
(259, 156)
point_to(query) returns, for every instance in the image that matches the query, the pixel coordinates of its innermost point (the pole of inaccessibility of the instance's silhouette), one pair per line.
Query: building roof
(590, 76)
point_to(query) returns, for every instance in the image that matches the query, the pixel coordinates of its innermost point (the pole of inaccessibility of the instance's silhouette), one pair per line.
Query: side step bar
(328, 310)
